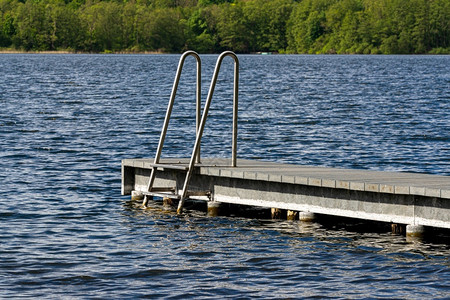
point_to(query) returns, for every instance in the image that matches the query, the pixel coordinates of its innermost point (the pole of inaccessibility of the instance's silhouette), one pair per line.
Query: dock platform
(395, 197)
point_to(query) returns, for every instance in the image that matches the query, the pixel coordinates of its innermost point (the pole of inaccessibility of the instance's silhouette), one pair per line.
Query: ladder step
(171, 167)
(170, 193)
(164, 189)
(162, 195)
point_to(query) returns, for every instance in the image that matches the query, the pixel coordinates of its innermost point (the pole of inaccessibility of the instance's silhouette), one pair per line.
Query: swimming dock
(395, 197)
(416, 200)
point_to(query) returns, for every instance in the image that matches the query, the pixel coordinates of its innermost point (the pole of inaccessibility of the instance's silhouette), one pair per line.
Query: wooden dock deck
(396, 197)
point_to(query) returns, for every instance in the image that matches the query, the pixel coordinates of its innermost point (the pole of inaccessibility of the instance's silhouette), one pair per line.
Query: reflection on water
(302, 257)
(364, 235)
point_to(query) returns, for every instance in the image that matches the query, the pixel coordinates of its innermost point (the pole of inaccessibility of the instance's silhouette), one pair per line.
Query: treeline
(210, 26)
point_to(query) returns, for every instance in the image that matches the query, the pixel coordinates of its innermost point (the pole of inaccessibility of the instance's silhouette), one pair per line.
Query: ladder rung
(163, 189)
(170, 193)
(162, 195)
(172, 167)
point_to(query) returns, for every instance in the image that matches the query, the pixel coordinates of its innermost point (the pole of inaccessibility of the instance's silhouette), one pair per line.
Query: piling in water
(292, 215)
(276, 213)
(398, 228)
(137, 195)
(415, 231)
(306, 216)
(213, 208)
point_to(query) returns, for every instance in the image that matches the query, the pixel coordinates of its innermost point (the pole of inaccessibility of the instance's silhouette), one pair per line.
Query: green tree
(32, 30)
(7, 27)
(200, 35)
(142, 40)
(342, 25)
(7, 30)
(129, 26)
(307, 25)
(66, 30)
(279, 12)
(232, 28)
(266, 22)
(165, 30)
(104, 26)
(439, 25)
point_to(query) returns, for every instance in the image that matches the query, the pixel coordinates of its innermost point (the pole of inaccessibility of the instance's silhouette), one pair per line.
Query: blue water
(67, 121)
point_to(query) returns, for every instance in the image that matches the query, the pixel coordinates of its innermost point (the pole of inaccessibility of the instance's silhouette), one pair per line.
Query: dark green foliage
(369, 26)
(207, 26)
(7, 31)
(201, 33)
(209, 2)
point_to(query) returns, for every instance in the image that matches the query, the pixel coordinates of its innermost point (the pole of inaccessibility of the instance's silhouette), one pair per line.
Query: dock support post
(292, 215)
(307, 216)
(415, 231)
(397, 228)
(213, 208)
(137, 195)
(275, 213)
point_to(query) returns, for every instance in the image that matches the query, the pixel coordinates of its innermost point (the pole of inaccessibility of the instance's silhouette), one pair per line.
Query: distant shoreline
(3, 51)
(6, 51)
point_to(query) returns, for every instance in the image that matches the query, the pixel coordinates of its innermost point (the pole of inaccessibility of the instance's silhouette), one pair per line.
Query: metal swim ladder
(200, 126)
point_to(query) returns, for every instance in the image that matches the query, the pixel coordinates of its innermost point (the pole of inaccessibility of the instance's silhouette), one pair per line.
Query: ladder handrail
(169, 112)
(198, 138)
(172, 100)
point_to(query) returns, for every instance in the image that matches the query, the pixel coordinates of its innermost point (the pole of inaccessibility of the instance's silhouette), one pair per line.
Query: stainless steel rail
(196, 149)
(169, 112)
(200, 123)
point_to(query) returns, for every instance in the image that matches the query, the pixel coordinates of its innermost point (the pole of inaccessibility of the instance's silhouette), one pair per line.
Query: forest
(211, 26)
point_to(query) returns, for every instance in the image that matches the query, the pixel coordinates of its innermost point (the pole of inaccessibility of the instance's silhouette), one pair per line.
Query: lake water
(67, 121)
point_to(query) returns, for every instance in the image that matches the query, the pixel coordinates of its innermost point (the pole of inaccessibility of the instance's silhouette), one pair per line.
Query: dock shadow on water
(67, 121)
